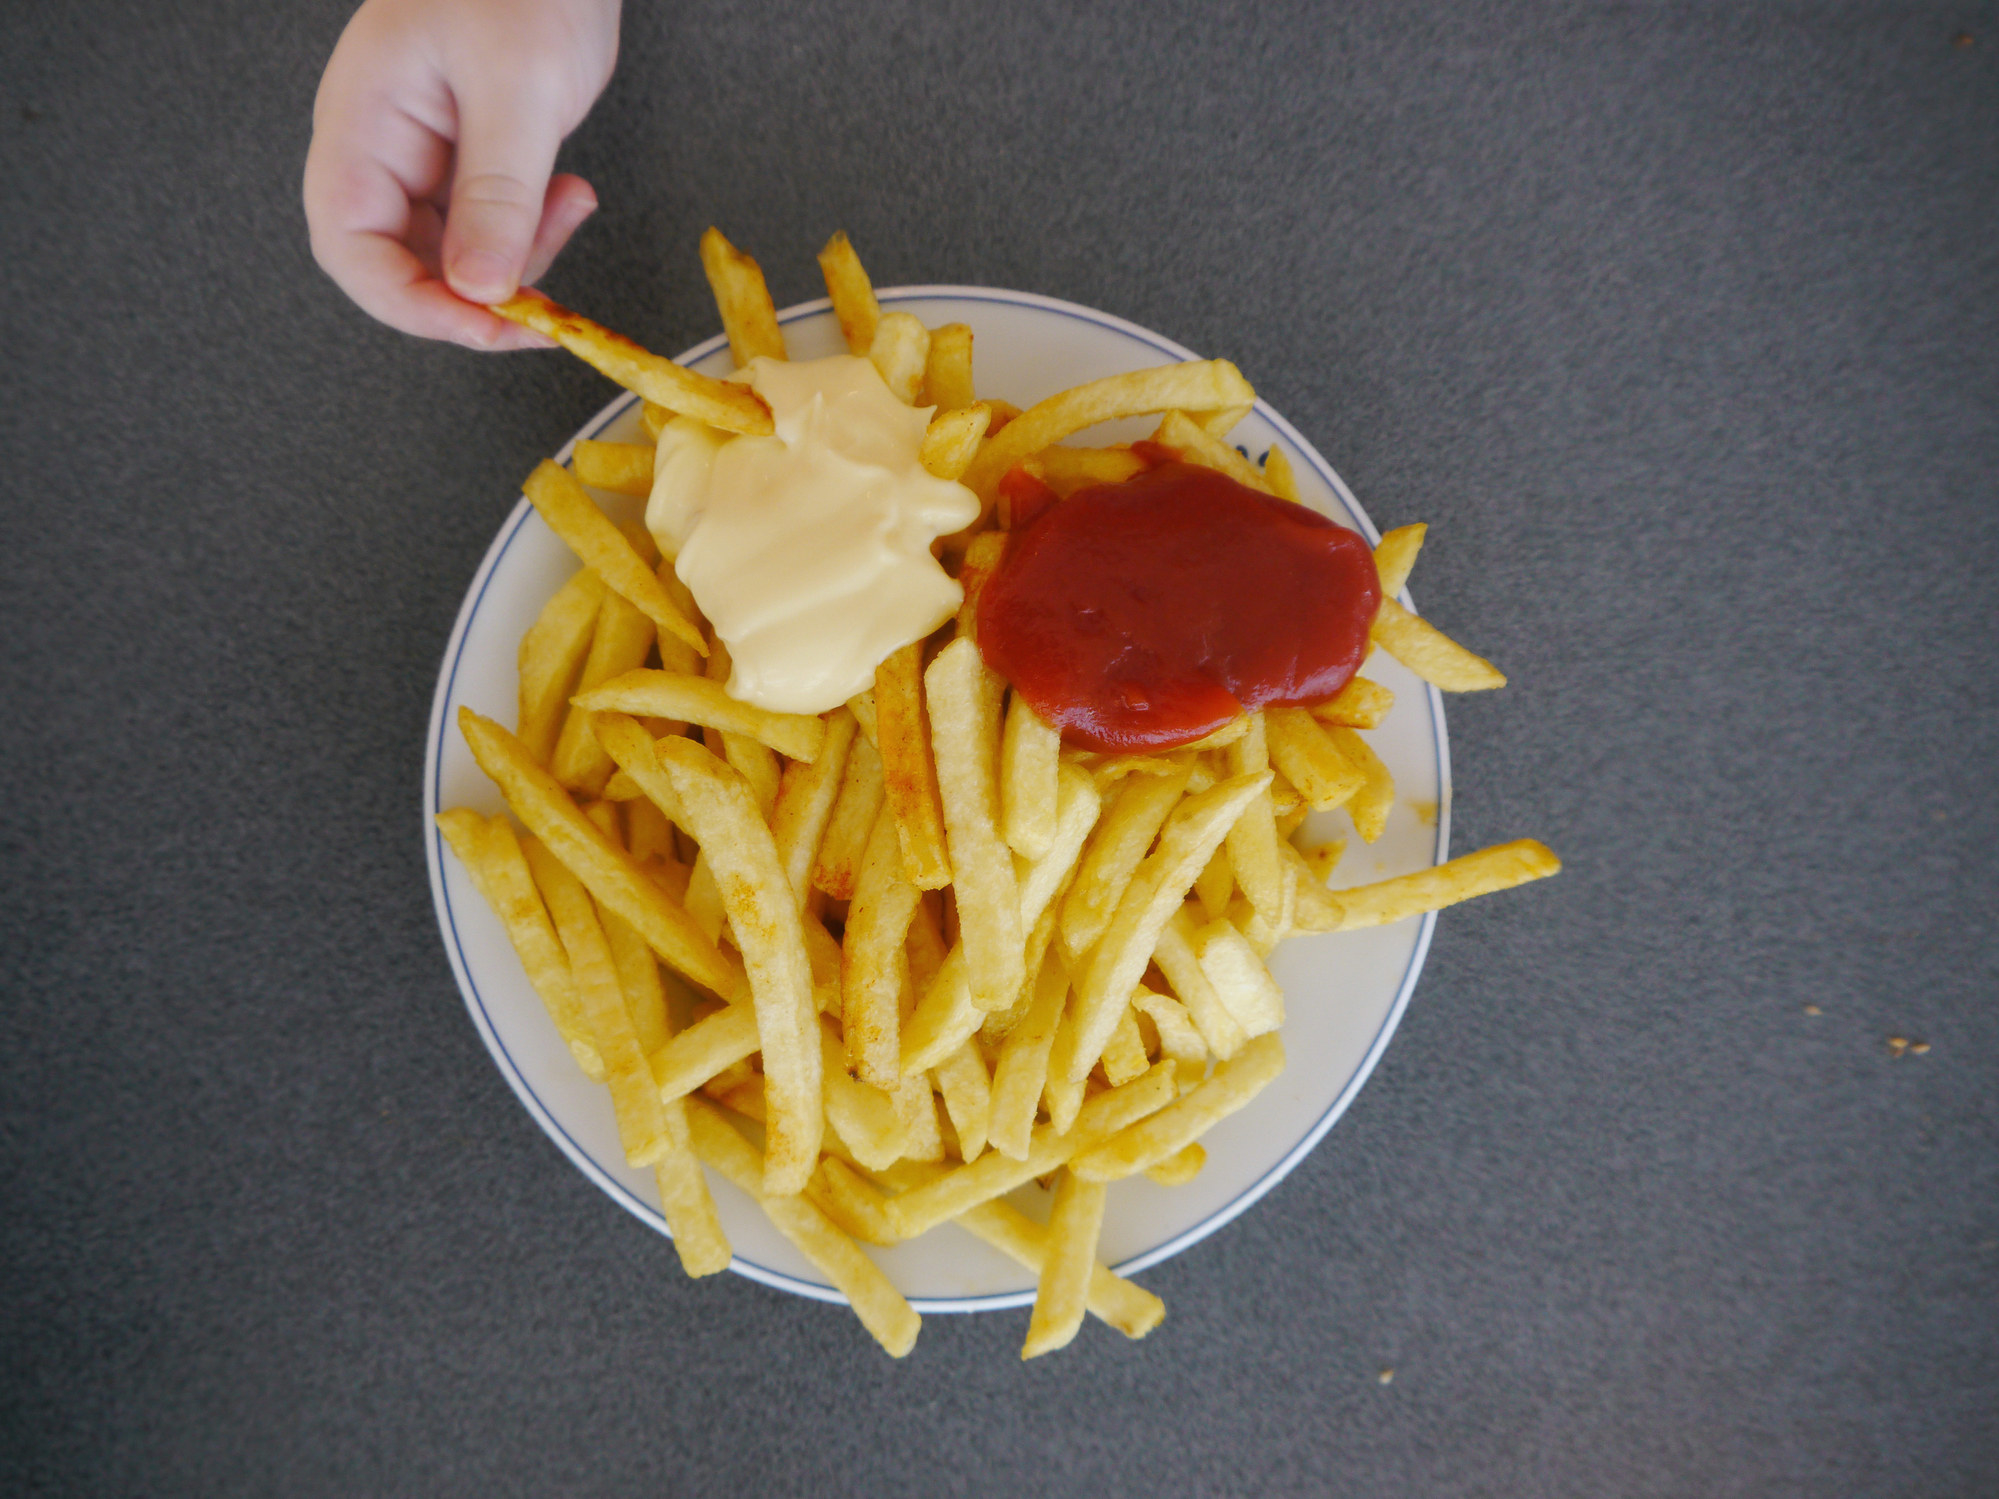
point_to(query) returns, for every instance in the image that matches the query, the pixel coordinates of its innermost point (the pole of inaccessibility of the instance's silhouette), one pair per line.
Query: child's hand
(427, 187)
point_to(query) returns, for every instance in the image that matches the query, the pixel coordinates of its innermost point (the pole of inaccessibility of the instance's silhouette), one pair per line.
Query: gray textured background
(1680, 324)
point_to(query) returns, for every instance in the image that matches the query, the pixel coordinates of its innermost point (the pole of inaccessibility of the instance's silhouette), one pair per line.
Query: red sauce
(1150, 613)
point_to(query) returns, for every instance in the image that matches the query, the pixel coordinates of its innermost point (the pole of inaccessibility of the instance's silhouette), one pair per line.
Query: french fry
(862, 706)
(758, 765)
(1153, 1139)
(1074, 1222)
(966, 1088)
(607, 870)
(733, 408)
(1030, 754)
(862, 1117)
(1218, 424)
(1500, 867)
(1395, 558)
(1323, 858)
(854, 1204)
(620, 467)
(623, 639)
(1061, 1094)
(870, 966)
(1216, 883)
(748, 316)
(666, 694)
(916, 1110)
(1179, 1168)
(882, 1309)
(805, 802)
(1124, 1054)
(1360, 704)
(1117, 848)
(1179, 432)
(1180, 1040)
(900, 349)
(551, 659)
(947, 374)
(1022, 1067)
(1430, 653)
(909, 776)
(1235, 969)
(1115, 1301)
(952, 440)
(1278, 477)
(853, 294)
(653, 419)
(982, 558)
(1066, 470)
(838, 865)
(1318, 909)
(1309, 759)
(705, 1050)
(722, 815)
(1198, 385)
(492, 856)
(634, 1096)
(1154, 894)
(994, 1175)
(574, 516)
(1369, 805)
(638, 977)
(963, 699)
(1175, 955)
(1252, 842)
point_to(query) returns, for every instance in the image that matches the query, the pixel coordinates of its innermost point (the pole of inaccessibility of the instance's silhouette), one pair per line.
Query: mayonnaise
(809, 550)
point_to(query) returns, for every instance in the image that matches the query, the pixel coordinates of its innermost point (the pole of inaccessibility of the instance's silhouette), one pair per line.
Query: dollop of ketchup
(1150, 613)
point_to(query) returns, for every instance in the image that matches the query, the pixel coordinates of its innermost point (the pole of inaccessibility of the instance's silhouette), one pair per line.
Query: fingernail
(481, 273)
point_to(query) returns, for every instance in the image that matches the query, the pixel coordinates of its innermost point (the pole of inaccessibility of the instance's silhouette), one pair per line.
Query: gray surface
(1681, 327)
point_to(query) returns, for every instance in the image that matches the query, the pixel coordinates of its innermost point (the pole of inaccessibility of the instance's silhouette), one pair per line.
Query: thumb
(507, 140)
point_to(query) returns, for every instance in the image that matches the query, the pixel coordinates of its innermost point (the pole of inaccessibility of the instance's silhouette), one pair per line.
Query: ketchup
(1148, 614)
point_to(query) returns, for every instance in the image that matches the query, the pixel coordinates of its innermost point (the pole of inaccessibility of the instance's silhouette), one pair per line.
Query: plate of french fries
(911, 1004)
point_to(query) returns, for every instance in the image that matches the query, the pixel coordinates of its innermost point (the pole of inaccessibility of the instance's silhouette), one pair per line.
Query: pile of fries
(925, 953)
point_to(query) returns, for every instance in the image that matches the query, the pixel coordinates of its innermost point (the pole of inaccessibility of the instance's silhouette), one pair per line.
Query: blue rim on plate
(645, 1211)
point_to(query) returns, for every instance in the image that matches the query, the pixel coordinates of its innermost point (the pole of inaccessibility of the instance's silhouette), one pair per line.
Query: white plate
(1345, 992)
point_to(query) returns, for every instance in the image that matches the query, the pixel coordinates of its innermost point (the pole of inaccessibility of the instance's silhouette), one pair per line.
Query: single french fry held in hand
(1430, 653)
(1198, 385)
(551, 660)
(606, 869)
(574, 516)
(620, 467)
(852, 292)
(909, 777)
(721, 813)
(667, 694)
(963, 699)
(883, 1310)
(491, 854)
(748, 316)
(1169, 1131)
(733, 408)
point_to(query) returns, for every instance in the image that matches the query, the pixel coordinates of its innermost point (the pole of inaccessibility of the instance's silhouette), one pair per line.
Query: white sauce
(809, 550)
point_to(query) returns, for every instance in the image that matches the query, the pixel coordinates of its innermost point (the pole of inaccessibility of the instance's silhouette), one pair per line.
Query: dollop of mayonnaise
(809, 550)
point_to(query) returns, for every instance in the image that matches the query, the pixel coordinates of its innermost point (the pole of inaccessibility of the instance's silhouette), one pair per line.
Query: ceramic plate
(1344, 992)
